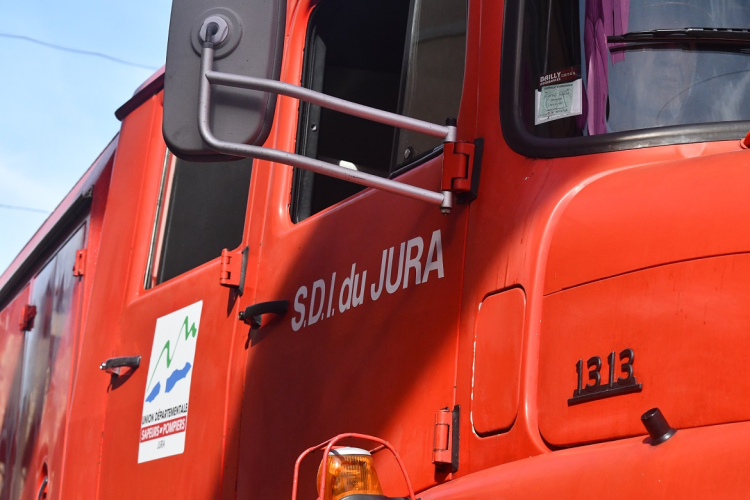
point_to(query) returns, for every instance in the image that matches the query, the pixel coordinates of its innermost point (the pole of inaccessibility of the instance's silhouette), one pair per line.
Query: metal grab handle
(114, 365)
(443, 198)
(252, 314)
(445, 132)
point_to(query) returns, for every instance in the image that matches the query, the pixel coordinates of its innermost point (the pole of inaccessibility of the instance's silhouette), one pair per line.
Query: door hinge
(28, 313)
(80, 265)
(445, 439)
(233, 267)
(462, 164)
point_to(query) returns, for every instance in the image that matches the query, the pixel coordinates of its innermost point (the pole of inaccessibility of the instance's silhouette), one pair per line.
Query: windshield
(592, 67)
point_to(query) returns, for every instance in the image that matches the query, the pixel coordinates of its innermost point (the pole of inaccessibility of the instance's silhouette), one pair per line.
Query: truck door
(373, 280)
(165, 427)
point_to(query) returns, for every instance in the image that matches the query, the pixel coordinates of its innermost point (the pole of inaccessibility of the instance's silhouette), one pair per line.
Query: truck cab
(231, 311)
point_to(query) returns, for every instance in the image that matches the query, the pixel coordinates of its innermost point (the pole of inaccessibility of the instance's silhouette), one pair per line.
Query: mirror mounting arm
(209, 77)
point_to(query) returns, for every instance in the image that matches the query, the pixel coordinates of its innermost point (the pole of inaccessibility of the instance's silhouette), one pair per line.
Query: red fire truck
(427, 249)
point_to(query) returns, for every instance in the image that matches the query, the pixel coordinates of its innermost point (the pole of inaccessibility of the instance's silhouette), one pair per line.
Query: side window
(403, 56)
(201, 210)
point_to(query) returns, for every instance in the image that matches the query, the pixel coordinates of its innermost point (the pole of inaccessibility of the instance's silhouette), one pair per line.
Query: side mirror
(251, 34)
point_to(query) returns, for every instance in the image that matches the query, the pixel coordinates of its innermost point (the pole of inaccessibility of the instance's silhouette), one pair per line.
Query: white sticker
(558, 101)
(170, 371)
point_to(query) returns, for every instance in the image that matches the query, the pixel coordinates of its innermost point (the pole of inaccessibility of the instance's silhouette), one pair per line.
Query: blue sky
(57, 108)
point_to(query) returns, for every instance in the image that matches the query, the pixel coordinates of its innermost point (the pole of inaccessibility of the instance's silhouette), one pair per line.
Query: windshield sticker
(559, 96)
(170, 371)
(413, 263)
(567, 75)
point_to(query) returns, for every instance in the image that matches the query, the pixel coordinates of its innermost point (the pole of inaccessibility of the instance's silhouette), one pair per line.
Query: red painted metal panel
(386, 364)
(695, 464)
(197, 471)
(380, 363)
(79, 474)
(497, 361)
(48, 354)
(687, 324)
(358, 351)
(11, 365)
(514, 222)
(133, 312)
(116, 211)
(648, 216)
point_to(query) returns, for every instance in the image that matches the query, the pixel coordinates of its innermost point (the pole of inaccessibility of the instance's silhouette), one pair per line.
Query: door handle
(253, 314)
(114, 365)
(43, 489)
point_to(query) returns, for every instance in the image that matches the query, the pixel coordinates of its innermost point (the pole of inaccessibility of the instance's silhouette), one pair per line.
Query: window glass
(591, 67)
(402, 56)
(205, 213)
(435, 70)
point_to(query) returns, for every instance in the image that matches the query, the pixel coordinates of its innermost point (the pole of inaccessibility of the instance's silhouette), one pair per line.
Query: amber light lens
(349, 471)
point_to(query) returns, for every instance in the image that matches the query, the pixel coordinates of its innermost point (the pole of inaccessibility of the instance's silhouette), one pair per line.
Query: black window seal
(526, 144)
(142, 94)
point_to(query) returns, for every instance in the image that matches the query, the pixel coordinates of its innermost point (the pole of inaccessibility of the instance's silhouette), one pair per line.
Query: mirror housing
(252, 46)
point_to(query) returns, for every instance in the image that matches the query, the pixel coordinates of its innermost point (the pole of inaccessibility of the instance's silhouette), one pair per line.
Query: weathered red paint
(569, 258)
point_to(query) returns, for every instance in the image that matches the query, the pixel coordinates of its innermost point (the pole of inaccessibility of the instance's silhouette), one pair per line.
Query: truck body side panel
(48, 360)
(10, 384)
(696, 463)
